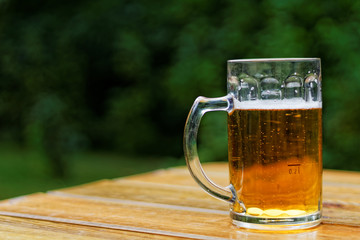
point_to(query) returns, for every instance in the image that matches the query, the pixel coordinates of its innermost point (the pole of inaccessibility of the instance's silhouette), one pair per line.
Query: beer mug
(274, 120)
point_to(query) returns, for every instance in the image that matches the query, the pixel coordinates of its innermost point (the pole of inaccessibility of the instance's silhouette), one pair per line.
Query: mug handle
(201, 106)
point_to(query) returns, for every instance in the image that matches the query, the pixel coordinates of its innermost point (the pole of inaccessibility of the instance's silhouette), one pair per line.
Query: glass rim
(264, 60)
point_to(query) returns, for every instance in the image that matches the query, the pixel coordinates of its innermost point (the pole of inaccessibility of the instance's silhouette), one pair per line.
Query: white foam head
(295, 103)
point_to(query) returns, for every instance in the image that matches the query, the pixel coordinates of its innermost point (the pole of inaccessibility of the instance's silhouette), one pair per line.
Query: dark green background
(102, 88)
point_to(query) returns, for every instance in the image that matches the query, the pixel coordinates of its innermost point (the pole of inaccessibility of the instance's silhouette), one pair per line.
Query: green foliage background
(120, 76)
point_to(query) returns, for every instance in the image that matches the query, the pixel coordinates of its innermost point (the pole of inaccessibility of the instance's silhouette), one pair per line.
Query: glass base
(275, 224)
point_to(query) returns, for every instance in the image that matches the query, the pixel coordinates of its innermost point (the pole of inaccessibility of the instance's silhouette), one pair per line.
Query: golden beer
(275, 161)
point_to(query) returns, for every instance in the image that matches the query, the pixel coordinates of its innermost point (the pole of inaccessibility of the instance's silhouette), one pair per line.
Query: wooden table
(165, 204)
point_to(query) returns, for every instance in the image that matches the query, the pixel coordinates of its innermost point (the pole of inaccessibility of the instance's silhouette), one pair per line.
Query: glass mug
(274, 111)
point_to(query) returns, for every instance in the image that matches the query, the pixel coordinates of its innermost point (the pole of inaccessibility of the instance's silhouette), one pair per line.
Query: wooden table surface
(164, 204)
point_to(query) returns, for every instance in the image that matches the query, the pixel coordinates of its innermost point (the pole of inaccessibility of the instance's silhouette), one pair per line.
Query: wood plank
(341, 177)
(14, 228)
(341, 194)
(218, 172)
(149, 192)
(177, 177)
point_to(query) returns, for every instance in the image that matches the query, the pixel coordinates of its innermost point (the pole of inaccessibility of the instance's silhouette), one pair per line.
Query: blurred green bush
(121, 75)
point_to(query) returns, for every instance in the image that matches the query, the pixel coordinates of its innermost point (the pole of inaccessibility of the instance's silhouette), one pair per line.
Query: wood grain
(23, 228)
(164, 204)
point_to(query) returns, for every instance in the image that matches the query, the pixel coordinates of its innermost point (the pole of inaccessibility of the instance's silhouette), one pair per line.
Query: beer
(275, 158)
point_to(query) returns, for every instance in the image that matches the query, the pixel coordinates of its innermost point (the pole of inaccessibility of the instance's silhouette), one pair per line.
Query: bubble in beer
(312, 87)
(248, 88)
(254, 211)
(270, 88)
(293, 87)
(273, 212)
(295, 212)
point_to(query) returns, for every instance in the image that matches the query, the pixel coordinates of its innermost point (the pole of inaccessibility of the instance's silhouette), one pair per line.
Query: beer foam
(295, 103)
